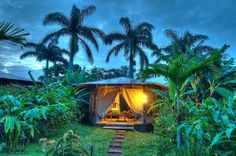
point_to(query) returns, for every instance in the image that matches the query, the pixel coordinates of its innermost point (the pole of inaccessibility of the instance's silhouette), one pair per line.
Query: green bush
(29, 113)
(213, 124)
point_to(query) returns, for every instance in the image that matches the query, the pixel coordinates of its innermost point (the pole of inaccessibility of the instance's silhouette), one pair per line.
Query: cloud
(215, 18)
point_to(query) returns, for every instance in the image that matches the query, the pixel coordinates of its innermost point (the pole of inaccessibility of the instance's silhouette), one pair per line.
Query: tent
(106, 98)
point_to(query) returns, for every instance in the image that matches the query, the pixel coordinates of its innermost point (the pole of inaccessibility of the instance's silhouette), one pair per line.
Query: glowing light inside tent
(145, 98)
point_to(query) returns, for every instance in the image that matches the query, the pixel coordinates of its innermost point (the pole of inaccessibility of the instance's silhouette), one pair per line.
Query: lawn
(135, 143)
(89, 135)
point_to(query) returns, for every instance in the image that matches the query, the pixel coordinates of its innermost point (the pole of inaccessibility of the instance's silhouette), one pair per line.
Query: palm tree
(177, 72)
(57, 69)
(13, 34)
(75, 28)
(51, 53)
(192, 45)
(132, 41)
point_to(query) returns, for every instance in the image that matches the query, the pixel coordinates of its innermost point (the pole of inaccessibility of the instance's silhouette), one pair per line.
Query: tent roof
(122, 81)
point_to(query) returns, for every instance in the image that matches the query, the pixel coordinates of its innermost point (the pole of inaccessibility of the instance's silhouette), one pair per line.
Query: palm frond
(115, 50)
(87, 50)
(171, 34)
(112, 37)
(29, 54)
(125, 21)
(56, 18)
(143, 58)
(87, 11)
(145, 25)
(86, 33)
(56, 35)
(11, 33)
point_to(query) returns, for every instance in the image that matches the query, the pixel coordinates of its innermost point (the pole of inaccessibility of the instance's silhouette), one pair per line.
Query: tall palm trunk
(131, 65)
(73, 50)
(71, 63)
(46, 69)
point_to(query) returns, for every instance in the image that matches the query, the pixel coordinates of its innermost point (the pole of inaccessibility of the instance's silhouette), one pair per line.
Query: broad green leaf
(31, 130)
(188, 130)
(8, 123)
(189, 92)
(3, 98)
(225, 119)
(18, 125)
(229, 131)
(216, 103)
(172, 90)
(224, 92)
(216, 115)
(216, 139)
(14, 101)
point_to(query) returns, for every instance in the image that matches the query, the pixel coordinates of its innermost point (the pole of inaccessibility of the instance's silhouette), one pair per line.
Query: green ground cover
(89, 135)
(137, 143)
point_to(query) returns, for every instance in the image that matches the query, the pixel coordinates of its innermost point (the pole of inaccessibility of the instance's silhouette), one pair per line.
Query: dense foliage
(199, 108)
(26, 113)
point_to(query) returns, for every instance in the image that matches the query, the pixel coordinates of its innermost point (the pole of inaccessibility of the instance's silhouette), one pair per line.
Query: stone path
(115, 147)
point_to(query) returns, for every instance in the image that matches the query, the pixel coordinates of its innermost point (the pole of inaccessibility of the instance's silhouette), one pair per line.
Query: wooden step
(118, 128)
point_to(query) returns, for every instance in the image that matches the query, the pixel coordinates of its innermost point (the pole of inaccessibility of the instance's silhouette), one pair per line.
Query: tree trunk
(71, 63)
(131, 66)
(46, 69)
(73, 50)
(179, 136)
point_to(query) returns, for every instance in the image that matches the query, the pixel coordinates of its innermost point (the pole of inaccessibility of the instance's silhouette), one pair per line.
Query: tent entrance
(120, 112)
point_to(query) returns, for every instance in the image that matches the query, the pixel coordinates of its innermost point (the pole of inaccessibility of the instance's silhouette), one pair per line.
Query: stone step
(115, 151)
(115, 145)
(117, 140)
(113, 154)
(120, 131)
(118, 128)
(119, 137)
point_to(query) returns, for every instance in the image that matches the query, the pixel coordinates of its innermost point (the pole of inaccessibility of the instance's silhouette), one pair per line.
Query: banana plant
(11, 120)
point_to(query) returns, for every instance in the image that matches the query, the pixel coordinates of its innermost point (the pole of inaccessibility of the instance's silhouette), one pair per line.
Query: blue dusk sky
(215, 18)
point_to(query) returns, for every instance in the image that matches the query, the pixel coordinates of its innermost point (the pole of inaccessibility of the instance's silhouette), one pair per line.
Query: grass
(89, 135)
(139, 144)
(135, 143)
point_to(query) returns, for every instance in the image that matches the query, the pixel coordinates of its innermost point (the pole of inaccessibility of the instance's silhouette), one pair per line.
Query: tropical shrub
(213, 123)
(66, 145)
(12, 127)
(30, 112)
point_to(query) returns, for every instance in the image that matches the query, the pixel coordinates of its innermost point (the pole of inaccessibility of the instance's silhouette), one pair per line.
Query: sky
(214, 18)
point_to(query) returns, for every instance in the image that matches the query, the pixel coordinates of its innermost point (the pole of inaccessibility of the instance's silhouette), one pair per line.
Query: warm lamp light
(144, 98)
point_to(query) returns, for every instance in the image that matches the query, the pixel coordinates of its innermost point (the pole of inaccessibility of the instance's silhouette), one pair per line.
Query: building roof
(122, 81)
(8, 78)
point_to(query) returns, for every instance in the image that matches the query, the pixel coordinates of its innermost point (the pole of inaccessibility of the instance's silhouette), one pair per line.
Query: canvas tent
(106, 95)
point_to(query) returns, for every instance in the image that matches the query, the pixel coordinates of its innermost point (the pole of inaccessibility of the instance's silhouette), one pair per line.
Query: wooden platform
(118, 125)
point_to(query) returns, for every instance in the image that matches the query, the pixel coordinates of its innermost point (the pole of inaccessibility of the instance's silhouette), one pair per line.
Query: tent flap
(134, 98)
(105, 98)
